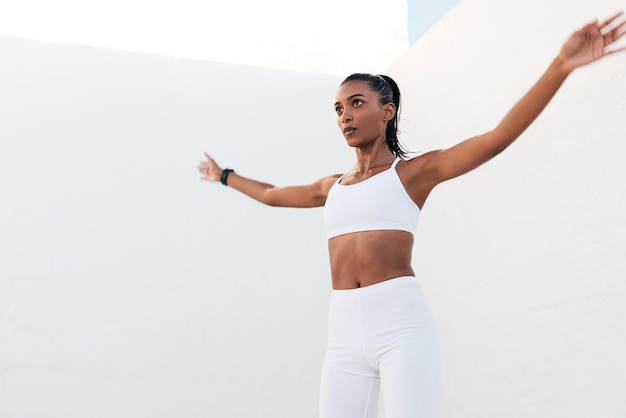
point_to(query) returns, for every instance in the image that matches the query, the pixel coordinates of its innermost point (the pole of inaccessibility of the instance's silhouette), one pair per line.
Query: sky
(423, 14)
(324, 36)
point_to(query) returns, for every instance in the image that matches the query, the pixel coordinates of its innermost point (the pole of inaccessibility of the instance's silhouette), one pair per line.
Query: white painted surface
(313, 36)
(523, 259)
(128, 288)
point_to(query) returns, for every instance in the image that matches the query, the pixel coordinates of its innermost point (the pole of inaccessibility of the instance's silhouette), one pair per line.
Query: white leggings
(381, 338)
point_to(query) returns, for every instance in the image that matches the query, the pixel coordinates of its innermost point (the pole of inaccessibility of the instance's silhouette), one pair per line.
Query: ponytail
(388, 92)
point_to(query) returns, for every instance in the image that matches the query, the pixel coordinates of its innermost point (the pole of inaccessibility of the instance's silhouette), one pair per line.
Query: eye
(338, 109)
(357, 102)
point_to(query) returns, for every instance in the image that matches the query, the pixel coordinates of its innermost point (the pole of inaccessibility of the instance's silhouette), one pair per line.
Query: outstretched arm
(305, 196)
(586, 45)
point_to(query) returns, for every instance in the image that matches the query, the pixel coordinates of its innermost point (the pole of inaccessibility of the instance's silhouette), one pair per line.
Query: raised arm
(586, 45)
(305, 196)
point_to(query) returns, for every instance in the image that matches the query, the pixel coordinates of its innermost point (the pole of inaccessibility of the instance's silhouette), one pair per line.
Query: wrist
(562, 65)
(224, 176)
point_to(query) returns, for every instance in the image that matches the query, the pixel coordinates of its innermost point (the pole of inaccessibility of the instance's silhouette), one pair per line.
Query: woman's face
(360, 116)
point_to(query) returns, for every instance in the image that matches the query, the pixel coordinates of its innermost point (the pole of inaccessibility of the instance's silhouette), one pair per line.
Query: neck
(368, 159)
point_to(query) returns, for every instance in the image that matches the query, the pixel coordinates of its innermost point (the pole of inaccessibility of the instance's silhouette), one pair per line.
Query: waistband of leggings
(401, 282)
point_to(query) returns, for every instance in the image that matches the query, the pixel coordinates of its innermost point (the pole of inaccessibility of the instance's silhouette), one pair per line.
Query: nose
(346, 117)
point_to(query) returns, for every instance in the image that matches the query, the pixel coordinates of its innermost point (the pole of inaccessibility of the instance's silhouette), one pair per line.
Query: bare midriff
(365, 258)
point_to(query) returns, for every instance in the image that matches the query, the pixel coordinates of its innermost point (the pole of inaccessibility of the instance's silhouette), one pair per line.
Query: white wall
(523, 259)
(315, 36)
(128, 288)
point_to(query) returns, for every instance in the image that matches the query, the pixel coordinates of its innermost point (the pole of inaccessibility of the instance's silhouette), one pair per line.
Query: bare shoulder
(316, 192)
(330, 179)
(303, 196)
(420, 167)
(325, 183)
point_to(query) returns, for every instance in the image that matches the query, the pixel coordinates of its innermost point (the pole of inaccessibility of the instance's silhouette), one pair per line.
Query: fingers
(205, 166)
(614, 51)
(205, 172)
(610, 35)
(209, 169)
(601, 35)
(611, 19)
(614, 34)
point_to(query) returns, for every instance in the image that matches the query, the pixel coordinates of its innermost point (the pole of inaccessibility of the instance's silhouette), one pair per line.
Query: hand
(589, 43)
(209, 169)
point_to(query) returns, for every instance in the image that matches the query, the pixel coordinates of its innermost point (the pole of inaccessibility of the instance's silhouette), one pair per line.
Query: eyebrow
(352, 97)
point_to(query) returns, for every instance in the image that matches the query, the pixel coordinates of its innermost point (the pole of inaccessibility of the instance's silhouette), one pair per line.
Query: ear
(390, 111)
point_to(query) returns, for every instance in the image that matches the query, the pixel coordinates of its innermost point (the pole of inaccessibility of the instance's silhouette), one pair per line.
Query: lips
(349, 130)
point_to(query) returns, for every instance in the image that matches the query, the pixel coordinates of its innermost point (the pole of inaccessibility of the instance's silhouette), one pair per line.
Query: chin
(352, 141)
(352, 144)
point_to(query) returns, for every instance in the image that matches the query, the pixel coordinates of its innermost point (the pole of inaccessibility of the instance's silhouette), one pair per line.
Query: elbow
(497, 151)
(269, 198)
(499, 142)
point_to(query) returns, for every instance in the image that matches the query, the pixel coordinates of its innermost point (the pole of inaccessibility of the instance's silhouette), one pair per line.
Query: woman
(381, 334)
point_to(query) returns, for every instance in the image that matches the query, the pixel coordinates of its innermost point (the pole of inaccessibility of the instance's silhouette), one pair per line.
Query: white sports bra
(377, 203)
